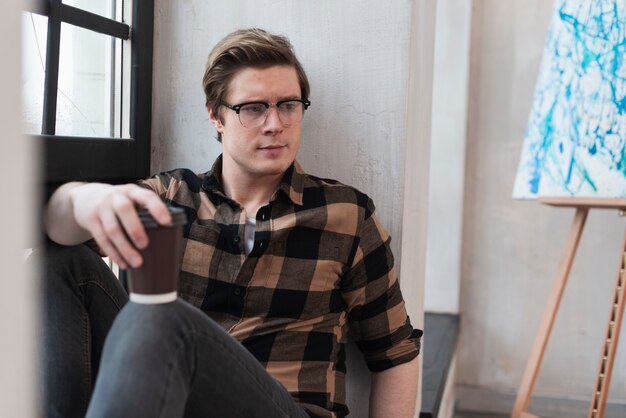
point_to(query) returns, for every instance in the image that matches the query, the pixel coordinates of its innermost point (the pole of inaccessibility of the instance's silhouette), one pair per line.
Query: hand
(109, 214)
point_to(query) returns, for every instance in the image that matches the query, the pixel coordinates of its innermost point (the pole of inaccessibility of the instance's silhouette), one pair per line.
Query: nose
(272, 121)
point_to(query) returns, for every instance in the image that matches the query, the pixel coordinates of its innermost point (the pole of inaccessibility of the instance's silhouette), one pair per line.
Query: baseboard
(476, 400)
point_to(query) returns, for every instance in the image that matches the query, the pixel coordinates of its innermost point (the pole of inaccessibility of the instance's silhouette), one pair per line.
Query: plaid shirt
(321, 261)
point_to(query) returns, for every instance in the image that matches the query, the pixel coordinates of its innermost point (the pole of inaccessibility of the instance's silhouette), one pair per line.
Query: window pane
(34, 35)
(89, 84)
(106, 8)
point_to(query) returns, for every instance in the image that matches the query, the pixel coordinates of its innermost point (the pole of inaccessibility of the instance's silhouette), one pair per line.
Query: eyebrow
(282, 99)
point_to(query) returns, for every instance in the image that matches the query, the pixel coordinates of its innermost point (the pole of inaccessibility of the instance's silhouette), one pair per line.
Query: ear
(215, 120)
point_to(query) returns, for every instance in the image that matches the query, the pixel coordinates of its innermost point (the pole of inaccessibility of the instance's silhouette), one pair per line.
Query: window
(87, 80)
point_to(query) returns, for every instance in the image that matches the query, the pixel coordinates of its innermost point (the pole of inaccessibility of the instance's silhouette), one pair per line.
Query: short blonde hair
(243, 49)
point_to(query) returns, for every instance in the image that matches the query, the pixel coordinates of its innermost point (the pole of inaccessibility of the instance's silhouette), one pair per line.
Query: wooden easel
(607, 356)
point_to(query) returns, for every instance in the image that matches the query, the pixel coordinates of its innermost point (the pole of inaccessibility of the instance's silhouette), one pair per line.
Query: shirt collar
(292, 184)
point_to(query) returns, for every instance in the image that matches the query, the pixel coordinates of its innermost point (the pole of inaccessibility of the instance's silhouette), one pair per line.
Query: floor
(475, 415)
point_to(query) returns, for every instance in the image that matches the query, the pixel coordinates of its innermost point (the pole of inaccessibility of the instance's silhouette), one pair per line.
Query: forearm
(59, 220)
(394, 391)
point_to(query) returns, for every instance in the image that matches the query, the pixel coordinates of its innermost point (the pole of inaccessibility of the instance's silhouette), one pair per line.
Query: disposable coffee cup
(156, 280)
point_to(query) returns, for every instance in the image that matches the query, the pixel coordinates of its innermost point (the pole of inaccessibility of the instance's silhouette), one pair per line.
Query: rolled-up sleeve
(376, 308)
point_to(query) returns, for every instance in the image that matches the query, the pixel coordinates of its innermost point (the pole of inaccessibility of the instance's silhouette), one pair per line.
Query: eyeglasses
(254, 114)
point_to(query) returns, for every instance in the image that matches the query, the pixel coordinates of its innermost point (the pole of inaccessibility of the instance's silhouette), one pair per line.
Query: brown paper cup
(156, 280)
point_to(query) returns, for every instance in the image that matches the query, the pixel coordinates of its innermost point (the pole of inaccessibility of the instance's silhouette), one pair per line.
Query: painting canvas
(575, 139)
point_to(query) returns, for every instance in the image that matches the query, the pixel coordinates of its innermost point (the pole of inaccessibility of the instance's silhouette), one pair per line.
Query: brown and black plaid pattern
(320, 262)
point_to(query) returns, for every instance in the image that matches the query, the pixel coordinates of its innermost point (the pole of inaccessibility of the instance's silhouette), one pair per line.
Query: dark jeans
(168, 360)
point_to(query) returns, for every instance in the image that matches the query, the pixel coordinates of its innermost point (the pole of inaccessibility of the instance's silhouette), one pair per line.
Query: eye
(253, 108)
(290, 106)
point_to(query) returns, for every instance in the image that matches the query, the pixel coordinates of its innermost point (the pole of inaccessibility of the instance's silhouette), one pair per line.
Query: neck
(249, 191)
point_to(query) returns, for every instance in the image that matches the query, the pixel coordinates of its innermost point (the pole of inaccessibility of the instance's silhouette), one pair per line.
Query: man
(276, 265)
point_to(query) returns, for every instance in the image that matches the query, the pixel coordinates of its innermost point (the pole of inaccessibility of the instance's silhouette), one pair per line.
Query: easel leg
(611, 337)
(545, 328)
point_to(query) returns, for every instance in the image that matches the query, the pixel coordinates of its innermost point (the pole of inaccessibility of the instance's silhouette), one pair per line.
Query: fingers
(123, 223)
(123, 228)
(124, 211)
(117, 230)
(107, 246)
(109, 214)
(152, 202)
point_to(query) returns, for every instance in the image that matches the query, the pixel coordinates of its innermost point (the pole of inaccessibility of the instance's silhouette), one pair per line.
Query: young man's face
(267, 149)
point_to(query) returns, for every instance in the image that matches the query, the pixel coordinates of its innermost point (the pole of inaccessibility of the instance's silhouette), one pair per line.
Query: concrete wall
(511, 249)
(358, 55)
(447, 155)
(17, 164)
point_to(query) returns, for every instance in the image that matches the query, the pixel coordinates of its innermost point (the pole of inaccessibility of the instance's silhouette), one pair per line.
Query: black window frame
(113, 160)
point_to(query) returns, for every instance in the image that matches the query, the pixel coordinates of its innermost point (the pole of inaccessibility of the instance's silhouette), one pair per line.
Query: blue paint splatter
(579, 109)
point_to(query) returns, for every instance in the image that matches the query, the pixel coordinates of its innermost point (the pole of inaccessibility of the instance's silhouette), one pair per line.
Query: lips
(272, 147)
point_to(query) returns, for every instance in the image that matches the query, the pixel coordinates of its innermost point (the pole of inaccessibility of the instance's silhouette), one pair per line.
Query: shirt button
(236, 239)
(237, 291)
(262, 244)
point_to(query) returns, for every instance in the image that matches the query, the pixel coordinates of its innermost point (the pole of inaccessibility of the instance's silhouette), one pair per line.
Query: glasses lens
(291, 112)
(252, 114)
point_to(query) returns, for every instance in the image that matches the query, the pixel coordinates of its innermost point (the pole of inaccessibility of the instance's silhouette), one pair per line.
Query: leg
(172, 360)
(81, 297)
(609, 345)
(549, 315)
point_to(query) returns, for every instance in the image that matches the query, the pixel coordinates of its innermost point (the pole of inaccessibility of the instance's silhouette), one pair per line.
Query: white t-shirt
(249, 234)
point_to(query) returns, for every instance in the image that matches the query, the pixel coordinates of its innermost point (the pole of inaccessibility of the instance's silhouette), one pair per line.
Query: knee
(159, 319)
(52, 253)
(156, 331)
(161, 325)
(57, 262)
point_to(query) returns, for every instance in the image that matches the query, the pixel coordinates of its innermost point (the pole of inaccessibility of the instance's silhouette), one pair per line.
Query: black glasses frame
(237, 107)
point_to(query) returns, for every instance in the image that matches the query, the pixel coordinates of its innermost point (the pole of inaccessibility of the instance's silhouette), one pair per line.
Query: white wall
(17, 301)
(357, 54)
(511, 249)
(416, 174)
(447, 155)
